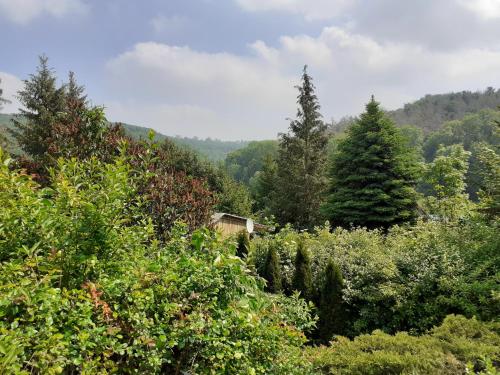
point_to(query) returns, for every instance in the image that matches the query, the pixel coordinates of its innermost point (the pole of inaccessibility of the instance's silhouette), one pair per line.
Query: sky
(227, 68)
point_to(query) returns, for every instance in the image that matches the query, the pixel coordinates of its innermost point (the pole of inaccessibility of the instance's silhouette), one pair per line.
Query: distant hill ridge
(212, 149)
(431, 111)
(427, 113)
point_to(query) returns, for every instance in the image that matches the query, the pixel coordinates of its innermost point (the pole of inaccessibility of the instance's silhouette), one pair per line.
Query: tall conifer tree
(373, 175)
(44, 104)
(302, 181)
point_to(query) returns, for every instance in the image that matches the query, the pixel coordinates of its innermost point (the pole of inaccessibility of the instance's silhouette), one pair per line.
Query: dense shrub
(272, 272)
(85, 287)
(243, 244)
(458, 346)
(407, 279)
(302, 278)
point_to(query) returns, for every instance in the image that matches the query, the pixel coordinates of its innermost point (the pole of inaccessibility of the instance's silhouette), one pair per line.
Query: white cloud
(24, 11)
(164, 24)
(487, 9)
(10, 85)
(189, 92)
(234, 96)
(311, 9)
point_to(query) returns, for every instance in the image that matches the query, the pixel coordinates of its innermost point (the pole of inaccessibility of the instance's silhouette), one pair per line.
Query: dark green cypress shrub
(272, 272)
(302, 279)
(331, 308)
(243, 244)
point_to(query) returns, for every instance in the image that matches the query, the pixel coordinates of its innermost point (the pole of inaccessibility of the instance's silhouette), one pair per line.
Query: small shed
(229, 224)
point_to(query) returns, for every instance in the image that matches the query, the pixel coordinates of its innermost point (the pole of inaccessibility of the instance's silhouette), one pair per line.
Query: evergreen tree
(302, 181)
(243, 244)
(44, 105)
(331, 308)
(272, 272)
(81, 130)
(373, 175)
(302, 279)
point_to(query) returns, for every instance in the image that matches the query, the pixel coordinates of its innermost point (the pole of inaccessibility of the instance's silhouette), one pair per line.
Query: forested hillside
(212, 149)
(431, 111)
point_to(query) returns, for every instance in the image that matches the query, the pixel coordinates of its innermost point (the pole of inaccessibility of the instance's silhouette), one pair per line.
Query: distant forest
(431, 111)
(427, 113)
(211, 149)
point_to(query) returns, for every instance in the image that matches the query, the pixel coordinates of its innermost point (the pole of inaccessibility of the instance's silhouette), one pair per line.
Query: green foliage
(302, 277)
(301, 181)
(271, 272)
(232, 197)
(214, 150)
(264, 187)
(244, 163)
(408, 279)
(86, 288)
(446, 177)
(414, 139)
(243, 244)
(373, 175)
(490, 170)
(331, 306)
(452, 348)
(473, 128)
(470, 132)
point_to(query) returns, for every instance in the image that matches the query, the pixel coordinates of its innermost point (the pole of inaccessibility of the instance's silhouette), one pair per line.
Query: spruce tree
(44, 105)
(331, 308)
(272, 272)
(373, 175)
(243, 244)
(302, 181)
(302, 279)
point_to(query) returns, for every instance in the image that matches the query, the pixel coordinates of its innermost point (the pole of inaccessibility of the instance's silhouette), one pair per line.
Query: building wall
(228, 226)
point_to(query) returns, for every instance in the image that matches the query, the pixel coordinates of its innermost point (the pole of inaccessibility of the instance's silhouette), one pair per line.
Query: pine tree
(243, 244)
(331, 308)
(302, 181)
(302, 279)
(45, 105)
(272, 272)
(373, 175)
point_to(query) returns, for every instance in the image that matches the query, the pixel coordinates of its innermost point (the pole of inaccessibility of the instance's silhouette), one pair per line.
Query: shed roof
(219, 215)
